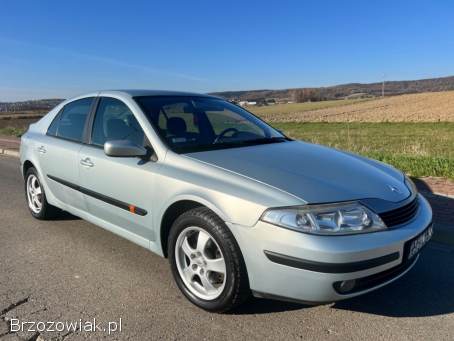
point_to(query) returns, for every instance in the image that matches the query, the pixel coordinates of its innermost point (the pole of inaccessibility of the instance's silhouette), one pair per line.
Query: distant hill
(325, 93)
(42, 105)
(344, 90)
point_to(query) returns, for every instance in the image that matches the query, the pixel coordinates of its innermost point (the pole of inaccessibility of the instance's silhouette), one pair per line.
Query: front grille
(400, 215)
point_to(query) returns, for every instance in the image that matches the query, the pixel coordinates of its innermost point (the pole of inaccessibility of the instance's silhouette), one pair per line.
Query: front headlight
(328, 219)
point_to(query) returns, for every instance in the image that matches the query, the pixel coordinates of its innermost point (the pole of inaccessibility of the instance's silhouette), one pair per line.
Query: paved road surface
(69, 269)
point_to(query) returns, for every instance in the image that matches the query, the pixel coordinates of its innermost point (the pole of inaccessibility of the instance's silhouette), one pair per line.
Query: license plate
(416, 244)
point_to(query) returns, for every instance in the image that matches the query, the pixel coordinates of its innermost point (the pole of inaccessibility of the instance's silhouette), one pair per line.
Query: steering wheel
(225, 131)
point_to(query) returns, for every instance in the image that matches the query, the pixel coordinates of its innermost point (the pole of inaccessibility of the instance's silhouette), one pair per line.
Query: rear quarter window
(70, 122)
(54, 125)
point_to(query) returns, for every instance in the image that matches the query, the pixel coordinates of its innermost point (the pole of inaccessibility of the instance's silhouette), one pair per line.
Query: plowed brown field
(425, 107)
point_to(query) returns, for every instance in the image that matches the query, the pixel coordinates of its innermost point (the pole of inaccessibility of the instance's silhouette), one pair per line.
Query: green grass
(419, 149)
(290, 108)
(12, 131)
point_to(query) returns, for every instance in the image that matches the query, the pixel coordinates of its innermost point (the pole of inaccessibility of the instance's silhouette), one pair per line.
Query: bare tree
(306, 95)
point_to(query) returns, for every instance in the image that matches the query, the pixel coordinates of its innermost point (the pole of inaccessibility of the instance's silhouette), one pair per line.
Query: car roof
(136, 93)
(144, 92)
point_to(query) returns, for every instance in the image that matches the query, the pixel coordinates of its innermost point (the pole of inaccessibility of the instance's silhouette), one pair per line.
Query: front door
(118, 189)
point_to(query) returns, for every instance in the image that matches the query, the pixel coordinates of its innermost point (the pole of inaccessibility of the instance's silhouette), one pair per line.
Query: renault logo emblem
(394, 189)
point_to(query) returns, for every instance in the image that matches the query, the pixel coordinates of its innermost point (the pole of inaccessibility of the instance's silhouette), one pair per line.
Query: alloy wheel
(200, 263)
(34, 194)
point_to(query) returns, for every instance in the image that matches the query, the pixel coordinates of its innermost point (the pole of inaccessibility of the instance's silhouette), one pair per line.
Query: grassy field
(414, 132)
(402, 130)
(12, 131)
(419, 149)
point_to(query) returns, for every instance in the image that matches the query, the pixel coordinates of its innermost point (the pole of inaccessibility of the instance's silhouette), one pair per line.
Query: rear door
(118, 190)
(59, 151)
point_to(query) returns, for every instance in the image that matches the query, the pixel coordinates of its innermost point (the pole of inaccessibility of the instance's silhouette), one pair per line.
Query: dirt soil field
(425, 107)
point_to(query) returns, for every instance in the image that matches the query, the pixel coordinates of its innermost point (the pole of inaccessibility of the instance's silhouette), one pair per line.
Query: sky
(52, 49)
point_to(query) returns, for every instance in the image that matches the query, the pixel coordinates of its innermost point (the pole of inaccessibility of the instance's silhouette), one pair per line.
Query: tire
(195, 225)
(44, 211)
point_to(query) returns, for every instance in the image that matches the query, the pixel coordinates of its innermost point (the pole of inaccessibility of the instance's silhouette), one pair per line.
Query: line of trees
(307, 95)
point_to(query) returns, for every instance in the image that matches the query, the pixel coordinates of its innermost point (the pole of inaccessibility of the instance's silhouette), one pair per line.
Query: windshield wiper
(233, 144)
(265, 140)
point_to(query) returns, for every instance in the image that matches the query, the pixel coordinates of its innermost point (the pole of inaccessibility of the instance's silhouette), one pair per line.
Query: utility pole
(383, 87)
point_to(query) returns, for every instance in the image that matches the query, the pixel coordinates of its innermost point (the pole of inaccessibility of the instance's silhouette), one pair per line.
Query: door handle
(42, 149)
(86, 162)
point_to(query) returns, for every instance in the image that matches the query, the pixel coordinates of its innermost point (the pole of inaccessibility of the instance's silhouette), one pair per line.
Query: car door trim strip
(120, 204)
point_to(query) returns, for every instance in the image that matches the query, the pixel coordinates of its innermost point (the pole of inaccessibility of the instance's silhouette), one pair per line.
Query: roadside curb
(432, 194)
(10, 152)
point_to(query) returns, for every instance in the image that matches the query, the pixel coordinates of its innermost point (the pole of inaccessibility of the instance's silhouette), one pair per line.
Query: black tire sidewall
(228, 247)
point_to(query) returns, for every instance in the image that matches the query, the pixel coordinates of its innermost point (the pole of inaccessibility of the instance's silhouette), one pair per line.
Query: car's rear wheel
(206, 261)
(36, 197)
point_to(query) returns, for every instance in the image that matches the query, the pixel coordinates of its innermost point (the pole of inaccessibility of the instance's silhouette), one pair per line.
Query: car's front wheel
(206, 261)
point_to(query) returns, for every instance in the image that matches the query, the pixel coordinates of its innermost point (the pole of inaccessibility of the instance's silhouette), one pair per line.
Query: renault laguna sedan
(235, 205)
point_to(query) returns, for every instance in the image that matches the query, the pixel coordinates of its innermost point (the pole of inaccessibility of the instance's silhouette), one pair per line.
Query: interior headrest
(176, 126)
(117, 129)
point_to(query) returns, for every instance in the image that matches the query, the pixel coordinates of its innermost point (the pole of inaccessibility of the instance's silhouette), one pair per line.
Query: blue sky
(63, 48)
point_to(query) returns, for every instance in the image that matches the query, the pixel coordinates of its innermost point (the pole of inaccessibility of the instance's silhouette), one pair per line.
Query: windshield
(191, 124)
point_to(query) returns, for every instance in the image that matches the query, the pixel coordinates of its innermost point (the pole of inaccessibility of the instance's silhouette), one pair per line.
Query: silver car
(235, 205)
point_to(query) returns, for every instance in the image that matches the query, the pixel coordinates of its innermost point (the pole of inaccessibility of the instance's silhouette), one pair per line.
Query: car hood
(313, 173)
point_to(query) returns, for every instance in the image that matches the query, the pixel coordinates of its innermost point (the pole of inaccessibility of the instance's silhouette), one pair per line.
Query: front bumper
(327, 259)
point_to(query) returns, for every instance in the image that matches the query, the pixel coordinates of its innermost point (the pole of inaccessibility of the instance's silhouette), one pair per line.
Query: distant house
(246, 103)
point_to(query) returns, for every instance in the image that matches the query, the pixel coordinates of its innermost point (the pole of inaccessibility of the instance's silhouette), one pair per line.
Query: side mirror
(123, 148)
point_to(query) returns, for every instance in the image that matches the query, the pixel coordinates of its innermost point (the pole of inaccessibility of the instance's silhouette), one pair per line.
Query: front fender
(196, 197)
